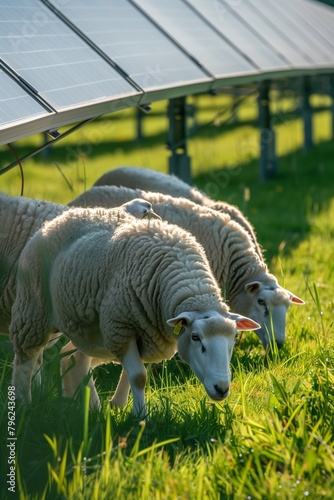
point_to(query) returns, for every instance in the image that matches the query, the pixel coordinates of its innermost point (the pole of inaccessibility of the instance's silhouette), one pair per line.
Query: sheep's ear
(184, 318)
(153, 215)
(295, 300)
(244, 323)
(253, 287)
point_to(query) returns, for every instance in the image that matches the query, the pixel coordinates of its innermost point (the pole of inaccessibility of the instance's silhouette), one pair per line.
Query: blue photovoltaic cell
(253, 46)
(62, 68)
(269, 30)
(193, 33)
(133, 42)
(15, 103)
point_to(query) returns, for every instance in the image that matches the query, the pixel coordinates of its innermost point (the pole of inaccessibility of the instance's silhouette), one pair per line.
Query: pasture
(273, 437)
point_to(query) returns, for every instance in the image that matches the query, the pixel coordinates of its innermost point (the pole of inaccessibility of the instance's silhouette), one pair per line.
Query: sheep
(124, 291)
(242, 274)
(151, 180)
(20, 218)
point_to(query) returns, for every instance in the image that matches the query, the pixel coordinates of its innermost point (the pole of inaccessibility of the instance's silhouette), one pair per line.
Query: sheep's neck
(239, 263)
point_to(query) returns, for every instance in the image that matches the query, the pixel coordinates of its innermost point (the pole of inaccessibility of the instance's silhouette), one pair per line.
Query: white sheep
(123, 291)
(20, 218)
(242, 274)
(151, 180)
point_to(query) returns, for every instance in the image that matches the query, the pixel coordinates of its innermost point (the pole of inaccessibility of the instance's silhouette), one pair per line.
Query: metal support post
(179, 161)
(307, 114)
(268, 159)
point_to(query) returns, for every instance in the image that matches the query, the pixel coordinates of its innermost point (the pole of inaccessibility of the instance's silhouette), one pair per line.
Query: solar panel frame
(53, 121)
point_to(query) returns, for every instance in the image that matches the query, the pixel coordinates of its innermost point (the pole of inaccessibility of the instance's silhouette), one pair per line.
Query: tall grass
(273, 437)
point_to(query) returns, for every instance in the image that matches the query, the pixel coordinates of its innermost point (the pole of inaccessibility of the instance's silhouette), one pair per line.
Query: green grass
(274, 435)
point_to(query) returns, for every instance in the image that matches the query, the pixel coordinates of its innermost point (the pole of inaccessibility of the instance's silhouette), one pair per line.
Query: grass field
(274, 435)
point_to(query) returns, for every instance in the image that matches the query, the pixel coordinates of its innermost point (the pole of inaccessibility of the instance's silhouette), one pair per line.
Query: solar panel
(323, 16)
(15, 103)
(318, 21)
(195, 35)
(134, 43)
(90, 58)
(228, 24)
(55, 61)
(270, 32)
(307, 30)
(292, 29)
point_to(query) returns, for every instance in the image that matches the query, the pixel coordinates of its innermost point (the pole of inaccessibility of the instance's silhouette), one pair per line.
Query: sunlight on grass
(273, 437)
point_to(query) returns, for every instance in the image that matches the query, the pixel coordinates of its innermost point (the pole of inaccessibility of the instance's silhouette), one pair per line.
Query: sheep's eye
(195, 338)
(261, 302)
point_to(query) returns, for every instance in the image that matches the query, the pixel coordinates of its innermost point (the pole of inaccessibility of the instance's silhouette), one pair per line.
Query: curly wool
(232, 254)
(20, 218)
(151, 180)
(108, 281)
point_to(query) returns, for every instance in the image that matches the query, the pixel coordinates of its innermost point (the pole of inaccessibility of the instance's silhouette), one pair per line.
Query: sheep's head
(205, 342)
(267, 304)
(140, 209)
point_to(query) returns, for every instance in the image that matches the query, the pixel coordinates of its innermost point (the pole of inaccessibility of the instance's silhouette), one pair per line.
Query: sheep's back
(150, 180)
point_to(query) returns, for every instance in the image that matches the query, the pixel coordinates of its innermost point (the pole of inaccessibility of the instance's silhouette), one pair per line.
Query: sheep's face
(206, 343)
(140, 209)
(267, 304)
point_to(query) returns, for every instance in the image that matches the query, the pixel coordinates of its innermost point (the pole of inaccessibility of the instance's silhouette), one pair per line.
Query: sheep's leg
(37, 372)
(22, 374)
(136, 372)
(121, 396)
(74, 369)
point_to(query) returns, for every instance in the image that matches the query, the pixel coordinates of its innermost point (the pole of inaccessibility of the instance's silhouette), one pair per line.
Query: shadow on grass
(102, 144)
(99, 142)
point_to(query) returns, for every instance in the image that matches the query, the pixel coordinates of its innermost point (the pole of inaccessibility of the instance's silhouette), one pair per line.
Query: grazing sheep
(20, 218)
(241, 272)
(124, 291)
(151, 180)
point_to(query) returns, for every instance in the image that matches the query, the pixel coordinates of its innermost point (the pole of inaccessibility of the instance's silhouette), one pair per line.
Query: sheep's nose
(222, 391)
(279, 344)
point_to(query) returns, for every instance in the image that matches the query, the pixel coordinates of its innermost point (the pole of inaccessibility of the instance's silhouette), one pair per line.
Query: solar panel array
(63, 62)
